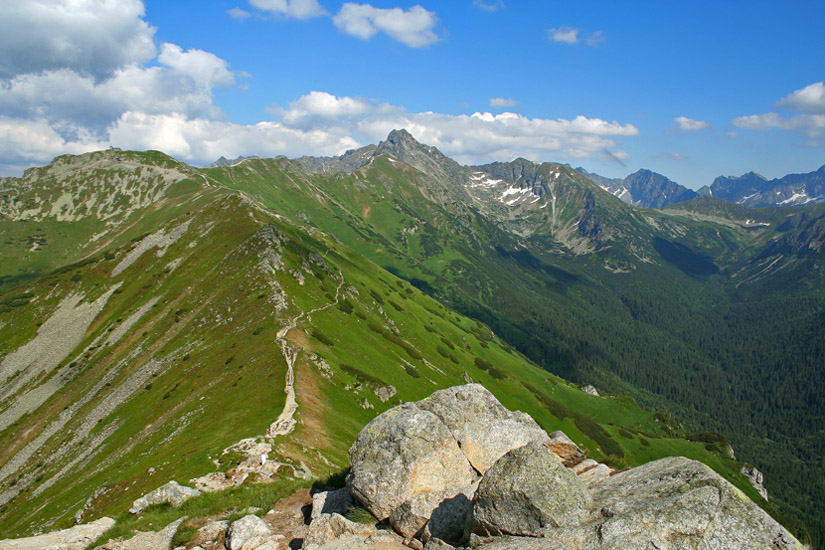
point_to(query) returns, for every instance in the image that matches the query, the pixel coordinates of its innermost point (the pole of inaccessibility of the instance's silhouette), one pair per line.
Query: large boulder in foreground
(483, 427)
(669, 503)
(526, 491)
(424, 454)
(403, 453)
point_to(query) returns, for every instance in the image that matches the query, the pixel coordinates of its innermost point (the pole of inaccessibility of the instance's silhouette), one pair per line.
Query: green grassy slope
(182, 359)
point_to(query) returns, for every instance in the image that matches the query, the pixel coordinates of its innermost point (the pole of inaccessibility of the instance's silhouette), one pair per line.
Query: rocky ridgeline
(459, 470)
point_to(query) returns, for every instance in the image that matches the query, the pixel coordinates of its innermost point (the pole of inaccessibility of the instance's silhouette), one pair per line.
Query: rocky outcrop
(171, 493)
(483, 428)
(331, 502)
(528, 490)
(75, 538)
(335, 532)
(401, 454)
(248, 533)
(418, 466)
(756, 478)
(423, 454)
(147, 540)
(670, 503)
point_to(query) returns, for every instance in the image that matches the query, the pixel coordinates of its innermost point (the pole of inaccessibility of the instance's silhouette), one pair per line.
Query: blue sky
(692, 90)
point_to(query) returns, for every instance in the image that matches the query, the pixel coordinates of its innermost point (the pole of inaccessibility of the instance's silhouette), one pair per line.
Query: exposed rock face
(409, 465)
(403, 453)
(247, 533)
(420, 460)
(670, 503)
(331, 502)
(172, 493)
(444, 513)
(756, 478)
(484, 429)
(75, 538)
(335, 532)
(564, 448)
(528, 490)
(147, 540)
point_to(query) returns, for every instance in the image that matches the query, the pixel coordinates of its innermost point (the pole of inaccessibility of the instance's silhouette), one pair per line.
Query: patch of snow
(797, 198)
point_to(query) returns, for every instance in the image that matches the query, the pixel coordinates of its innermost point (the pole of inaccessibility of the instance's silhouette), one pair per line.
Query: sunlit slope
(146, 362)
(81, 204)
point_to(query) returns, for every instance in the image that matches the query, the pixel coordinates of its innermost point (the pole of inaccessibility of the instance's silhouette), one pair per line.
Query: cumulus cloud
(572, 35)
(567, 35)
(91, 37)
(413, 27)
(503, 102)
(686, 124)
(320, 123)
(811, 98)
(298, 9)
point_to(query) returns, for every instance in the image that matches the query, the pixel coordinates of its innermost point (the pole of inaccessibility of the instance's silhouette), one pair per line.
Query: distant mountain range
(651, 190)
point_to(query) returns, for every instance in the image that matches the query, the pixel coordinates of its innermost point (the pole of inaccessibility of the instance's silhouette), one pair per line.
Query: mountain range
(159, 321)
(651, 190)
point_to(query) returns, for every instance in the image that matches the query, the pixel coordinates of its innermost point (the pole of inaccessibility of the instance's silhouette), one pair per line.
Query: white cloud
(206, 69)
(572, 35)
(413, 27)
(686, 124)
(811, 98)
(298, 9)
(238, 13)
(91, 37)
(811, 124)
(319, 123)
(503, 102)
(491, 6)
(567, 35)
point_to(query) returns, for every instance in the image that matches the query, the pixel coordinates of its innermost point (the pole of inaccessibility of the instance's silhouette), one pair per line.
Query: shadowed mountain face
(194, 295)
(643, 188)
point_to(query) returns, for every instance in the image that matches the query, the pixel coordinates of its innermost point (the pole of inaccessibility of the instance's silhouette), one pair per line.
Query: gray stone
(213, 530)
(147, 540)
(331, 502)
(444, 513)
(74, 538)
(672, 503)
(328, 528)
(756, 478)
(596, 474)
(527, 490)
(171, 493)
(385, 393)
(590, 389)
(437, 544)
(403, 453)
(564, 448)
(247, 533)
(584, 465)
(483, 427)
